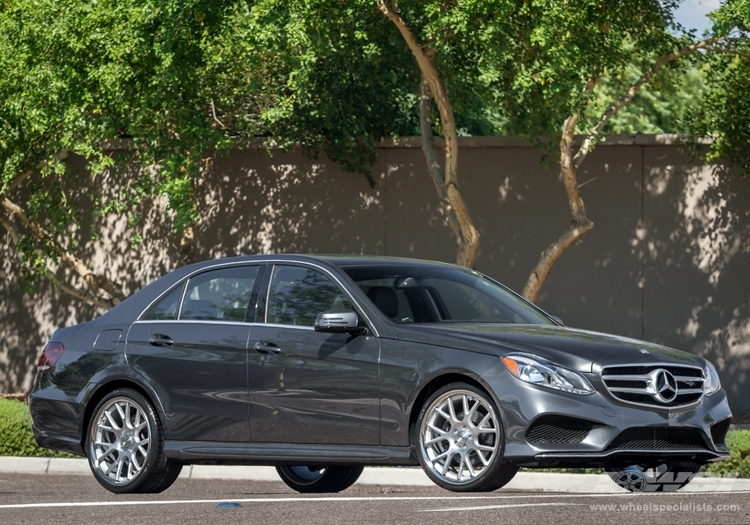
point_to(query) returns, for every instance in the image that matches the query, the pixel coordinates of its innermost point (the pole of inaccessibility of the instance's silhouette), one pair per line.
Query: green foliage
(665, 106)
(738, 442)
(16, 438)
(184, 80)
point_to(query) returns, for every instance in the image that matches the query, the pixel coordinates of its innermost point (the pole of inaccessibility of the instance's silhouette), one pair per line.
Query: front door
(307, 386)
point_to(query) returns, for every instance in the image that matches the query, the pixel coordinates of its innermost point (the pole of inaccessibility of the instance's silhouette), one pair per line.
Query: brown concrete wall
(667, 259)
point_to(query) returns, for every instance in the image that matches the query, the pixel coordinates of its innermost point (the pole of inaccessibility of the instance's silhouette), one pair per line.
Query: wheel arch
(109, 386)
(434, 384)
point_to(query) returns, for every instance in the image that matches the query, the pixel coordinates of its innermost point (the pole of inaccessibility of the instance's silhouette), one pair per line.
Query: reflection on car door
(307, 386)
(192, 346)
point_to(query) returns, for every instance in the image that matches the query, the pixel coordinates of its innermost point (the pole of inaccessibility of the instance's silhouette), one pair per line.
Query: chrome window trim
(199, 321)
(268, 293)
(293, 326)
(274, 262)
(184, 281)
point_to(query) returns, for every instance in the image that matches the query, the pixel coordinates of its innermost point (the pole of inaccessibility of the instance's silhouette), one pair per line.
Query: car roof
(342, 261)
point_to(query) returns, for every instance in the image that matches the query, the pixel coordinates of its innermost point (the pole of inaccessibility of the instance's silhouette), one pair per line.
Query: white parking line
(303, 499)
(492, 507)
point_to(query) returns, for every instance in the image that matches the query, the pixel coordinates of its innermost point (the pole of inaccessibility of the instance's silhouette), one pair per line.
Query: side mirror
(338, 322)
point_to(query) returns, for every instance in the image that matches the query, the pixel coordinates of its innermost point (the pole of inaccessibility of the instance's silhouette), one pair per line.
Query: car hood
(580, 350)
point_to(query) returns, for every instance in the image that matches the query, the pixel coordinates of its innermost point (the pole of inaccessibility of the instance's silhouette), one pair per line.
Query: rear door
(192, 347)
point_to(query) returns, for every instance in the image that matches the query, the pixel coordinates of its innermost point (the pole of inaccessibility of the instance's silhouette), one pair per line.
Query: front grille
(659, 438)
(719, 431)
(658, 385)
(558, 429)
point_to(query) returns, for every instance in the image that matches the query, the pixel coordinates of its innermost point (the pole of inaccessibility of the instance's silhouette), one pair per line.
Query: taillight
(50, 355)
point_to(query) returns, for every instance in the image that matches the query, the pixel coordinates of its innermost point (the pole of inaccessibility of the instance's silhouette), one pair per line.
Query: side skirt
(275, 454)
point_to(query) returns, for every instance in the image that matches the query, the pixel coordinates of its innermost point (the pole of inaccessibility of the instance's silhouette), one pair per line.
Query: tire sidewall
(148, 466)
(497, 460)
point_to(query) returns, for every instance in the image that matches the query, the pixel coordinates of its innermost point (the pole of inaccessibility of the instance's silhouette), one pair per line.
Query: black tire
(126, 419)
(171, 473)
(319, 480)
(473, 428)
(661, 478)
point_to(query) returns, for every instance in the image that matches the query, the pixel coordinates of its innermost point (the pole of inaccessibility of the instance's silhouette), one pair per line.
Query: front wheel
(318, 480)
(659, 478)
(460, 440)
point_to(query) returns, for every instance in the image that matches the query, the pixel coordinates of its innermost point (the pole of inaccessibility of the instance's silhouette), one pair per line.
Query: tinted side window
(166, 309)
(221, 295)
(297, 295)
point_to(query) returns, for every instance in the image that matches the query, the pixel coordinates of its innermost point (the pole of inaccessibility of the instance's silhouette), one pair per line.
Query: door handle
(264, 347)
(160, 340)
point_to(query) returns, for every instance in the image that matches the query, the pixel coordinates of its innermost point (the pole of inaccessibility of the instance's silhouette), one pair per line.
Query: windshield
(439, 294)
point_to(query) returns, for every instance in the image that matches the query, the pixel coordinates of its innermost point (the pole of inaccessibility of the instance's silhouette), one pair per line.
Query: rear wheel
(318, 480)
(659, 478)
(460, 440)
(125, 445)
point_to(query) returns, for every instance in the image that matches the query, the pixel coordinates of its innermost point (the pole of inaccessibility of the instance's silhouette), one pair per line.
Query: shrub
(738, 442)
(16, 438)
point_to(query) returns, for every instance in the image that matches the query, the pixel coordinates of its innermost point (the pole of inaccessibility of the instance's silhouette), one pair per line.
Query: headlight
(711, 383)
(546, 374)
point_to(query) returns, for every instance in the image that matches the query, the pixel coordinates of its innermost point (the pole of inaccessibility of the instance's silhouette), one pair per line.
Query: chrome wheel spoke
(467, 460)
(113, 426)
(441, 437)
(452, 411)
(460, 467)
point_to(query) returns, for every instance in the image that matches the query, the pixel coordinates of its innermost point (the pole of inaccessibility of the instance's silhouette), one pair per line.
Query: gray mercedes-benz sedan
(322, 365)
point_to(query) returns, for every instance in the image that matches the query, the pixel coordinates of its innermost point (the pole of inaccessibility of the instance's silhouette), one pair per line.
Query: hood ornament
(643, 351)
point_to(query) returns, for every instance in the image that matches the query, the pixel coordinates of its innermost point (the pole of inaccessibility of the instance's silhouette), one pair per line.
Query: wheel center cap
(462, 435)
(128, 441)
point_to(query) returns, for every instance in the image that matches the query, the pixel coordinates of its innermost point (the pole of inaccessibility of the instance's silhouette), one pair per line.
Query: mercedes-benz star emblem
(663, 385)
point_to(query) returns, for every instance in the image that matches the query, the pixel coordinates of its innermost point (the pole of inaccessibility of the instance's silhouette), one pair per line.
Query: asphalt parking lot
(59, 499)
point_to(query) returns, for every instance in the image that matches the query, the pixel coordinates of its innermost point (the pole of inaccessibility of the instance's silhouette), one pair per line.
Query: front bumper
(679, 435)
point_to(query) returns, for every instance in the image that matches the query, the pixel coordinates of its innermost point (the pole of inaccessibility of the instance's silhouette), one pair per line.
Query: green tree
(544, 72)
(179, 81)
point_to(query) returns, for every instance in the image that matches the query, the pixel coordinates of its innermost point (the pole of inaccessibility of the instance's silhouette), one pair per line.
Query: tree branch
(738, 52)
(549, 256)
(433, 165)
(580, 223)
(468, 241)
(18, 180)
(612, 109)
(53, 278)
(68, 258)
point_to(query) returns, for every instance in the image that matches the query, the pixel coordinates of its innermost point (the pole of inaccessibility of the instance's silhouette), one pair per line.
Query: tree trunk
(467, 237)
(569, 164)
(580, 223)
(187, 246)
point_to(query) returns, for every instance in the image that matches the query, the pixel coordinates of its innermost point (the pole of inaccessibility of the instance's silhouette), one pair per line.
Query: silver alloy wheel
(120, 440)
(459, 437)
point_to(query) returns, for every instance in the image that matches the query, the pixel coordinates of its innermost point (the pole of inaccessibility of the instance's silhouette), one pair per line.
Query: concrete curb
(392, 476)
